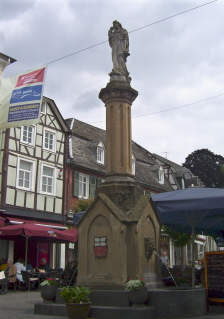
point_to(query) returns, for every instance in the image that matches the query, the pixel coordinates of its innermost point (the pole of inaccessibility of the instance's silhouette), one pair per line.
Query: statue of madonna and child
(119, 42)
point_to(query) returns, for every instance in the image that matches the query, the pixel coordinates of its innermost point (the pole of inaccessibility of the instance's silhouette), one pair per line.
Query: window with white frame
(25, 171)
(28, 134)
(161, 175)
(83, 186)
(47, 180)
(101, 153)
(133, 164)
(49, 140)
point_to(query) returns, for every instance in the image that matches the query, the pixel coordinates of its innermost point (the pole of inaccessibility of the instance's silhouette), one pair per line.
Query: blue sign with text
(26, 94)
(23, 112)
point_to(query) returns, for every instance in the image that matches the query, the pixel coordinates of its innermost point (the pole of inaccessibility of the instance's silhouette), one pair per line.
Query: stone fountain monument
(119, 231)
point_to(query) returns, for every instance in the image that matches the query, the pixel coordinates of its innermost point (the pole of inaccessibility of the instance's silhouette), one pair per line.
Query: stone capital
(117, 91)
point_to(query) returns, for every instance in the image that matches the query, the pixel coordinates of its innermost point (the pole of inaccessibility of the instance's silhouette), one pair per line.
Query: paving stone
(20, 305)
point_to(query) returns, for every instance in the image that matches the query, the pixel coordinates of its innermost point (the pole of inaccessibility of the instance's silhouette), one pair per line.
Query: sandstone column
(118, 97)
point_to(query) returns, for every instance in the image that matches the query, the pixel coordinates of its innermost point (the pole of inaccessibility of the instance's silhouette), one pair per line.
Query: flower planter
(139, 296)
(78, 310)
(48, 293)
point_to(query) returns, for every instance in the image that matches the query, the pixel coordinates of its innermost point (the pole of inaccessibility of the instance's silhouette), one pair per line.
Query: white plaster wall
(12, 145)
(12, 160)
(20, 198)
(40, 202)
(49, 204)
(11, 177)
(58, 206)
(10, 195)
(30, 200)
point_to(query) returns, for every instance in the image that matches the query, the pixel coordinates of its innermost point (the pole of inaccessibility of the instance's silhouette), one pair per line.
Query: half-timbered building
(32, 181)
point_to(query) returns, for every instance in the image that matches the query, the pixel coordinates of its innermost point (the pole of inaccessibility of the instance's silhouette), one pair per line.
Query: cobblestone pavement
(20, 305)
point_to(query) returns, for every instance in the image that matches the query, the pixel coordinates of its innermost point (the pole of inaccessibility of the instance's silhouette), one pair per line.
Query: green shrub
(75, 295)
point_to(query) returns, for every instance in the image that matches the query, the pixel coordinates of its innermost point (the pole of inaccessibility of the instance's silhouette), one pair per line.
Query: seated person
(29, 267)
(20, 266)
(44, 265)
(68, 272)
(3, 264)
(11, 271)
(3, 282)
(68, 269)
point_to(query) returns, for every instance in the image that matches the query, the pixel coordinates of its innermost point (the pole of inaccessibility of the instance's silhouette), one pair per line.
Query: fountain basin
(162, 303)
(178, 303)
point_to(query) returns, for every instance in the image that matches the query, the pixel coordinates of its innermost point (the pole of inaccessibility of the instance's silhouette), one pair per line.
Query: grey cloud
(11, 9)
(172, 63)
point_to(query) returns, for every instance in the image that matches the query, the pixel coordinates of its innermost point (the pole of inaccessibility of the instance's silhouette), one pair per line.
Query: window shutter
(76, 184)
(92, 186)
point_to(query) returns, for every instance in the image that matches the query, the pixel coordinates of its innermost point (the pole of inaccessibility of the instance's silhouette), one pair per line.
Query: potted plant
(183, 281)
(48, 289)
(77, 301)
(138, 293)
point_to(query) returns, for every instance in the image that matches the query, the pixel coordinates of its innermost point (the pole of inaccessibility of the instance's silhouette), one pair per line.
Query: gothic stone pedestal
(126, 238)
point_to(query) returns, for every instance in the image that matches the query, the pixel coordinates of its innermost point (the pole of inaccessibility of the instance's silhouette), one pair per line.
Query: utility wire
(149, 25)
(146, 26)
(178, 107)
(173, 108)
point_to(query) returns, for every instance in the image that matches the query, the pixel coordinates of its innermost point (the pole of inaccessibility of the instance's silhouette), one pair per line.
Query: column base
(123, 191)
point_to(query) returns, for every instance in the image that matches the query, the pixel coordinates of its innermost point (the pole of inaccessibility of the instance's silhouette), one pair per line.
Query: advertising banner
(21, 98)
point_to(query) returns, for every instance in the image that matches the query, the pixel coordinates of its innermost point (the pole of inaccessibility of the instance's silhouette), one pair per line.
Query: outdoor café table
(41, 275)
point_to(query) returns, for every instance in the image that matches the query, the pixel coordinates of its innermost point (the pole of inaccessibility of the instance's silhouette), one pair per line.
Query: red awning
(2, 221)
(41, 233)
(16, 221)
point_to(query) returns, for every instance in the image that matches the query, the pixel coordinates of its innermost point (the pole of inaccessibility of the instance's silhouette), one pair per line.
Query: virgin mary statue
(119, 42)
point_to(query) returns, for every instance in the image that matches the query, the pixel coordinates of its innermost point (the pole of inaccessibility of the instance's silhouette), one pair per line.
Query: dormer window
(161, 175)
(101, 153)
(133, 164)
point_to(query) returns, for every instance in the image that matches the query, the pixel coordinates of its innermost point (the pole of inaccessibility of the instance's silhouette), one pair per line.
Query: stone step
(50, 309)
(103, 312)
(112, 298)
(99, 312)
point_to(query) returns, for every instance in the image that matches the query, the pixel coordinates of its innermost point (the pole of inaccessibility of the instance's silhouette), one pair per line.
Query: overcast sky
(173, 63)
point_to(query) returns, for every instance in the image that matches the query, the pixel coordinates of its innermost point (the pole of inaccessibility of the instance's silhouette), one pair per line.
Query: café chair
(28, 280)
(4, 285)
(55, 275)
